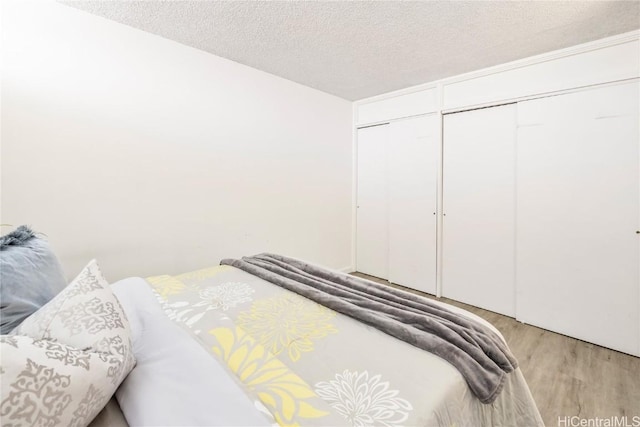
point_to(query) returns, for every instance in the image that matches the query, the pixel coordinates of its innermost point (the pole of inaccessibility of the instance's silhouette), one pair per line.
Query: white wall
(154, 157)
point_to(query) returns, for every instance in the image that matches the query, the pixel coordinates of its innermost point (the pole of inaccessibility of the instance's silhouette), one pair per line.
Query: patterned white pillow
(64, 362)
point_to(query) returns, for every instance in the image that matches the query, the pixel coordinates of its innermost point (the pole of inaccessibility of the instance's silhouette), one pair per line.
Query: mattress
(220, 346)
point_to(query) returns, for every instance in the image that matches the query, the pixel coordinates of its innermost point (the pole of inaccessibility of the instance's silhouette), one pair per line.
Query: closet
(541, 202)
(578, 212)
(396, 201)
(372, 245)
(479, 208)
(515, 189)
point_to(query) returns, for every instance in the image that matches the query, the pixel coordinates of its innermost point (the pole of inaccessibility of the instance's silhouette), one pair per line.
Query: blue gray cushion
(30, 276)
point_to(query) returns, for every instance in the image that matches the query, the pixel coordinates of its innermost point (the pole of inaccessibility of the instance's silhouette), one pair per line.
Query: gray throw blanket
(477, 352)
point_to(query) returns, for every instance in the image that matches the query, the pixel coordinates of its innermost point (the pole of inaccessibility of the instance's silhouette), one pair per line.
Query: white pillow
(64, 362)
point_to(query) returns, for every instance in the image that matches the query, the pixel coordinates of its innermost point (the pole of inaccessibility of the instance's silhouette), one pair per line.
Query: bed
(260, 341)
(276, 357)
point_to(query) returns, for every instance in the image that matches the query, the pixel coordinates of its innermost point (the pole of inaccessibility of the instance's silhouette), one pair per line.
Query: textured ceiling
(357, 49)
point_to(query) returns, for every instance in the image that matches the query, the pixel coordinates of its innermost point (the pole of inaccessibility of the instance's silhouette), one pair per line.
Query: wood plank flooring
(567, 377)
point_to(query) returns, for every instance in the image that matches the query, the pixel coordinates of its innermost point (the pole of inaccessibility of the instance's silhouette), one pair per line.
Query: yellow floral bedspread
(308, 365)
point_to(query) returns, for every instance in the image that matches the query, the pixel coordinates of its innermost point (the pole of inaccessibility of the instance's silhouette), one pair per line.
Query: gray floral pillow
(64, 362)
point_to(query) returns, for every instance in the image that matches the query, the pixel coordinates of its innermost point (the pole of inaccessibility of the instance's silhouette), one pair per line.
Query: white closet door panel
(479, 207)
(577, 212)
(372, 213)
(413, 169)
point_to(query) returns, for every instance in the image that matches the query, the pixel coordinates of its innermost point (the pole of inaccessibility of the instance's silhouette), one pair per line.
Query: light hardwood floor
(567, 377)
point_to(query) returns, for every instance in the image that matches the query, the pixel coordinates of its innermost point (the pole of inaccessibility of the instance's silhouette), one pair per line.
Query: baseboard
(348, 269)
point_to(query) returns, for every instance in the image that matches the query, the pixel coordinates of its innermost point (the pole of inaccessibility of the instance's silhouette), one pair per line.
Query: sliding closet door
(372, 244)
(479, 208)
(413, 169)
(578, 214)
